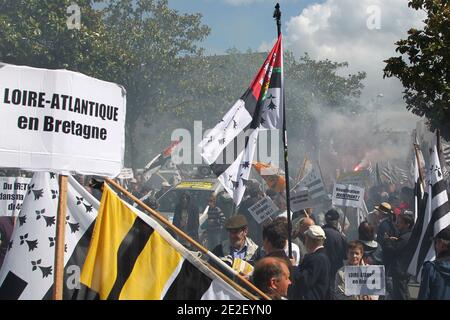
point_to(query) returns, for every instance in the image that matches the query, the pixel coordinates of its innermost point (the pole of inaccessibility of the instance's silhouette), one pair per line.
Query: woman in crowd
(355, 252)
(186, 216)
(373, 253)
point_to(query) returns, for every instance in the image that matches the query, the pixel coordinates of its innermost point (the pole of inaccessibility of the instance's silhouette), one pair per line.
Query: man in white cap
(312, 277)
(165, 186)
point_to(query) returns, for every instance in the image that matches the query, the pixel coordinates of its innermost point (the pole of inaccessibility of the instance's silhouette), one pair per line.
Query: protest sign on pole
(264, 209)
(59, 120)
(365, 280)
(313, 181)
(300, 200)
(126, 173)
(12, 194)
(348, 196)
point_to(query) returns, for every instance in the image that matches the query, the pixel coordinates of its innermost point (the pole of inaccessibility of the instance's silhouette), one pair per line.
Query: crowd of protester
(321, 248)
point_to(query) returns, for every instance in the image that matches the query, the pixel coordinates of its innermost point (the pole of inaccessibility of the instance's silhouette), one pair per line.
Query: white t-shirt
(295, 252)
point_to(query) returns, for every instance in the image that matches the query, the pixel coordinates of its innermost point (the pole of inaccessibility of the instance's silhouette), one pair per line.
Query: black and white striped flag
(387, 172)
(433, 216)
(445, 154)
(418, 180)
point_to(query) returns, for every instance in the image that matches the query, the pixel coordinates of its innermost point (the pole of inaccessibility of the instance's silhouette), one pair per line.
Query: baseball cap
(332, 215)
(165, 184)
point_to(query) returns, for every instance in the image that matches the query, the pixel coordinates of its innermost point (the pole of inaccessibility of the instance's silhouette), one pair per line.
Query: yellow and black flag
(132, 257)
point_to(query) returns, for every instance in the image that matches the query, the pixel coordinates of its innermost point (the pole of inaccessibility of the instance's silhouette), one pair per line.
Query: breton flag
(313, 181)
(433, 216)
(131, 257)
(418, 180)
(259, 108)
(446, 153)
(388, 173)
(160, 160)
(28, 270)
(377, 175)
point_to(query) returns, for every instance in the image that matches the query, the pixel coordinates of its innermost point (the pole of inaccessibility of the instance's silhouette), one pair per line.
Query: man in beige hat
(165, 186)
(312, 277)
(238, 244)
(386, 227)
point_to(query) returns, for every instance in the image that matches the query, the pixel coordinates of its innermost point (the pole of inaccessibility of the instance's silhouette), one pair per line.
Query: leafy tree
(424, 65)
(152, 51)
(156, 39)
(35, 33)
(138, 44)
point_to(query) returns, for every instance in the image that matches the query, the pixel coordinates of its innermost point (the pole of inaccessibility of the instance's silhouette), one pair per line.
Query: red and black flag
(160, 160)
(259, 108)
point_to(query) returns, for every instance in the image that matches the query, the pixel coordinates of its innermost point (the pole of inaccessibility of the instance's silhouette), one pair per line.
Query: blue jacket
(335, 248)
(435, 284)
(386, 226)
(311, 279)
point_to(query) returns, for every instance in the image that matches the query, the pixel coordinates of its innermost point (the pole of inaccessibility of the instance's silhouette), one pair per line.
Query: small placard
(263, 210)
(348, 196)
(365, 280)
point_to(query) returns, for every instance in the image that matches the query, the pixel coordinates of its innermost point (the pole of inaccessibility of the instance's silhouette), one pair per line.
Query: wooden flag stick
(58, 281)
(183, 235)
(301, 173)
(421, 178)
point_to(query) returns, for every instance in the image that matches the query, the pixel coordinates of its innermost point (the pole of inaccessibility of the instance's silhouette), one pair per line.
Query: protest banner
(312, 181)
(300, 200)
(126, 173)
(12, 194)
(365, 280)
(348, 196)
(59, 120)
(263, 210)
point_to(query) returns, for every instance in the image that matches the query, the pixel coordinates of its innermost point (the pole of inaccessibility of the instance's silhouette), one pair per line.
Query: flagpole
(416, 152)
(231, 282)
(60, 239)
(277, 17)
(183, 235)
(301, 173)
(439, 147)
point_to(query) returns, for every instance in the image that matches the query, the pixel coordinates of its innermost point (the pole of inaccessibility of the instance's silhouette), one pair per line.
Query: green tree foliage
(138, 44)
(35, 33)
(156, 39)
(153, 52)
(424, 65)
